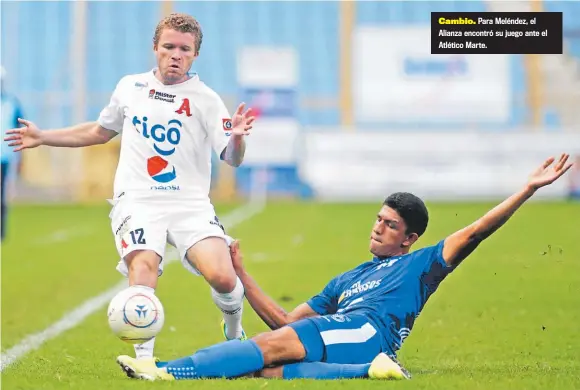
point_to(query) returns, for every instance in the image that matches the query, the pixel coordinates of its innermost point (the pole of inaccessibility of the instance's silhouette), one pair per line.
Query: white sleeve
(113, 116)
(218, 125)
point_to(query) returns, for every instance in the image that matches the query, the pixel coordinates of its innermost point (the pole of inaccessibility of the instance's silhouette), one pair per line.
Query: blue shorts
(337, 338)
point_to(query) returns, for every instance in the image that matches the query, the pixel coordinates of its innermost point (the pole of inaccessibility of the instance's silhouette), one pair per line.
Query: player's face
(388, 237)
(175, 53)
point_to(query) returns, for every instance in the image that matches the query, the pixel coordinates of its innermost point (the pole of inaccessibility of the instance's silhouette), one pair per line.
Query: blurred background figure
(11, 162)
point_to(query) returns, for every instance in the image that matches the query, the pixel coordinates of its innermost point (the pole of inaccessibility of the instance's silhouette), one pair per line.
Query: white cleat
(383, 367)
(144, 369)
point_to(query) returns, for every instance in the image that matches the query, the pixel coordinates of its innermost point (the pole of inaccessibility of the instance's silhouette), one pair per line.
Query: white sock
(145, 350)
(231, 305)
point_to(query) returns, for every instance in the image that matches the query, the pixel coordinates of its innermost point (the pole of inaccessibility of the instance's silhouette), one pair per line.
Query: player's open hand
(242, 121)
(549, 172)
(26, 137)
(237, 258)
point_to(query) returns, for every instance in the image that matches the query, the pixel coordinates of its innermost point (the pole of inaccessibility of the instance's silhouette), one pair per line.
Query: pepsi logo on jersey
(160, 170)
(160, 134)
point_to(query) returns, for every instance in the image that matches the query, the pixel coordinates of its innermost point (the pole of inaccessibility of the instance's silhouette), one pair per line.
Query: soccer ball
(135, 315)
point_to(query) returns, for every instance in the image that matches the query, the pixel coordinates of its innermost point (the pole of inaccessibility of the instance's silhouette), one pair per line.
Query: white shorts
(139, 225)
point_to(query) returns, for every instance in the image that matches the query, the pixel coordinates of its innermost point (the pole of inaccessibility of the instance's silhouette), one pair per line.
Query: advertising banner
(397, 80)
(268, 77)
(445, 166)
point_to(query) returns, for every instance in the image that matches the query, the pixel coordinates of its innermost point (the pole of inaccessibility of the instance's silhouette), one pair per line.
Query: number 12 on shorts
(137, 236)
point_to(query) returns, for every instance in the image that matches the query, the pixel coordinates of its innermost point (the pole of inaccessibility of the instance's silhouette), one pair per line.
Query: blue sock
(318, 370)
(229, 359)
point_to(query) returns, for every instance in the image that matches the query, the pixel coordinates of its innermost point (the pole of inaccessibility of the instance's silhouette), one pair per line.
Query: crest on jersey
(340, 318)
(184, 108)
(151, 93)
(388, 263)
(227, 124)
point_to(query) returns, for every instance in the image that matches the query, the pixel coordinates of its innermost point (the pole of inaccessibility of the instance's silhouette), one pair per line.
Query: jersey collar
(193, 78)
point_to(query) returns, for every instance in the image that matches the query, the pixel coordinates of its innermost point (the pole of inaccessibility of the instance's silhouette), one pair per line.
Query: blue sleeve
(437, 253)
(435, 268)
(327, 301)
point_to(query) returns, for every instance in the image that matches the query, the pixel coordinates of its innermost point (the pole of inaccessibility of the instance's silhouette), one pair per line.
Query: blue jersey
(389, 292)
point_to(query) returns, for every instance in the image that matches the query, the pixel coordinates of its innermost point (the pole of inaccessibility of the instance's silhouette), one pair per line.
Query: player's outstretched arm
(269, 311)
(462, 243)
(235, 150)
(85, 134)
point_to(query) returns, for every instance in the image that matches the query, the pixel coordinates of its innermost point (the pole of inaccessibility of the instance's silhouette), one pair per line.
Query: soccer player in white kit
(169, 121)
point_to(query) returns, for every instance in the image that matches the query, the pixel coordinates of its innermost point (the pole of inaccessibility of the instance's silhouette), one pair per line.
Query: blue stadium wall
(37, 56)
(119, 41)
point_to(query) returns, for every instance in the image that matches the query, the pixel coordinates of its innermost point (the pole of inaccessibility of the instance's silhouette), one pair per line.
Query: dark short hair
(412, 209)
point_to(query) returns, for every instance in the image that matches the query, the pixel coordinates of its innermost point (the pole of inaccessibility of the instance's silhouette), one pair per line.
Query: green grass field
(507, 318)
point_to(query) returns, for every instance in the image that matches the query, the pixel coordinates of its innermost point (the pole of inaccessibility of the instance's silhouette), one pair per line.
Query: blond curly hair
(180, 22)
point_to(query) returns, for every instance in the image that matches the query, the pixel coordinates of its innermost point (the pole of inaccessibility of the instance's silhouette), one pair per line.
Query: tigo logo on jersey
(160, 170)
(227, 125)
(160, 134)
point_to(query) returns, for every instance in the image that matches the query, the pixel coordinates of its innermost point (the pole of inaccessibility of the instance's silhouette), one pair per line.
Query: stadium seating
(119, 41)
(35, 55)
(229, 25)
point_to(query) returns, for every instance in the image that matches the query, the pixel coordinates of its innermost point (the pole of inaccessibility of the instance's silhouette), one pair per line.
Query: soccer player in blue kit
(354, 327)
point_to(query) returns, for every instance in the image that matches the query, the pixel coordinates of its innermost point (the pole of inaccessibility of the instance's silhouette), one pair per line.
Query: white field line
(64, 235)
(77, 315)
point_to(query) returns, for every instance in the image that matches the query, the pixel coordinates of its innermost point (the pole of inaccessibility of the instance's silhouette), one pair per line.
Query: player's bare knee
(222, 278)
(280, 345)
(139, 265)
(142, 261)
(211, 257)
(272, 372)
(223, 283)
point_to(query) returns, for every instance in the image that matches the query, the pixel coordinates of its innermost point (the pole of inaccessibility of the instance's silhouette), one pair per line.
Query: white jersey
(168, 132)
